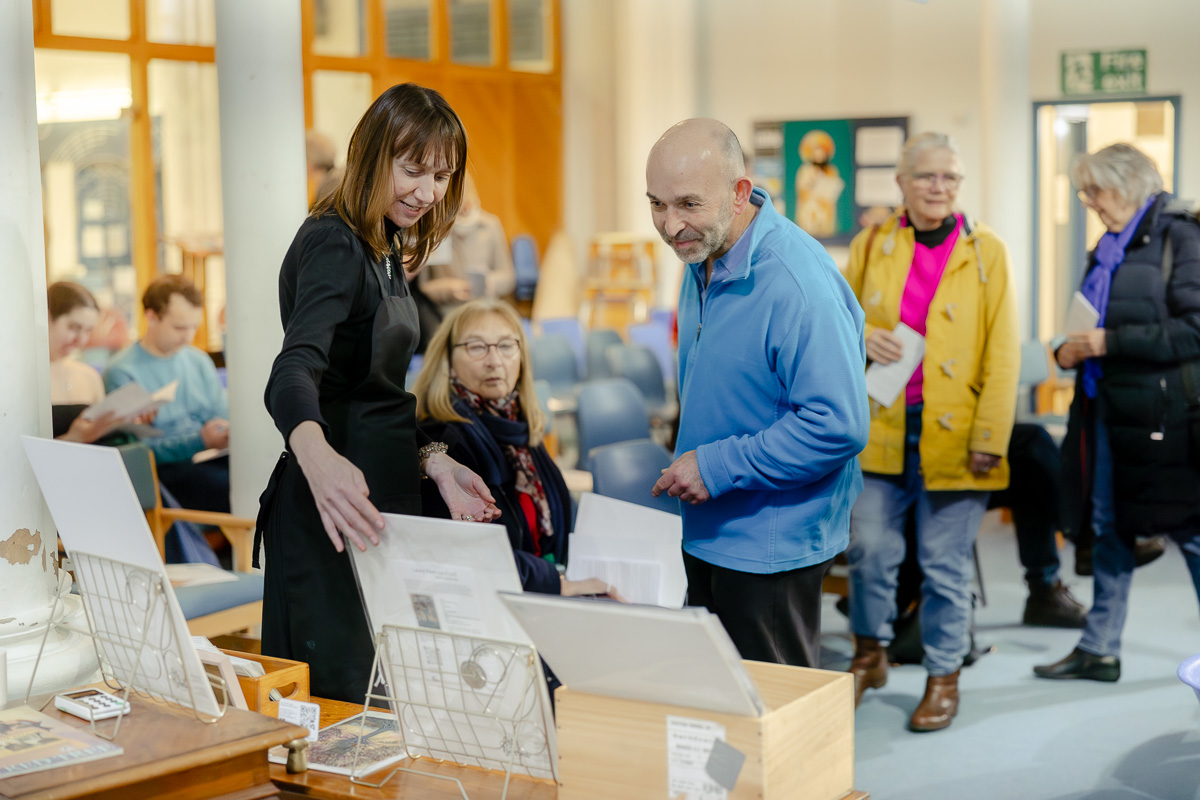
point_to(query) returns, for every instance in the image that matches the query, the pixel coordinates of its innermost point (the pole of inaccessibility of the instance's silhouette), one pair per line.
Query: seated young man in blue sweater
(198, 418)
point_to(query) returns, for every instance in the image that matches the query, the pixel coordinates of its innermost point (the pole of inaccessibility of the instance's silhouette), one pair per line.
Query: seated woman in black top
(475, 393)
(74, 385)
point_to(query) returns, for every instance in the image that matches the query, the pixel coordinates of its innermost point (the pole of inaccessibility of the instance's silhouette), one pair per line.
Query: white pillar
(1007, 139)
(264, 188)
(28, 544)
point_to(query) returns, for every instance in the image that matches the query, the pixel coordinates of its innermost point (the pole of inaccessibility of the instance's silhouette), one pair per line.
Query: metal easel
(136, 643)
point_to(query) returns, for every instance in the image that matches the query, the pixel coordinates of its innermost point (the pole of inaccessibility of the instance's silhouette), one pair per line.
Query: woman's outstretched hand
(465, 493)
(338, 487)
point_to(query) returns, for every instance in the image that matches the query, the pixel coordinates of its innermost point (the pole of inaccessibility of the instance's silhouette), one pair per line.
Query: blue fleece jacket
(198, 398)
(773, 400)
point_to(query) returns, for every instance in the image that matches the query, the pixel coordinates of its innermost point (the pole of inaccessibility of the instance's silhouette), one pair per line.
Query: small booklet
(885, 382)
(1081, 315)
(130, 401)
(334, 750)
(31, 741)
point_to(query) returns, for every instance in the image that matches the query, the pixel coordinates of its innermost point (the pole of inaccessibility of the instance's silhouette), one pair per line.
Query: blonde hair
(1122, 169)
(434, 395)
(406, 120)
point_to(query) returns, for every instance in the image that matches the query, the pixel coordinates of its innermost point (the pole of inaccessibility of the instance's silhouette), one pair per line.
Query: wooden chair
(215, 609)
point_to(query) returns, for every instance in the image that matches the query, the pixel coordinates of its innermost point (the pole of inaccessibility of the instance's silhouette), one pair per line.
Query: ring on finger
(468, 518)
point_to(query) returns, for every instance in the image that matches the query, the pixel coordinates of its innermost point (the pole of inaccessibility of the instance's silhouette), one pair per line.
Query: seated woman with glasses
(475, 393)
(938, 448)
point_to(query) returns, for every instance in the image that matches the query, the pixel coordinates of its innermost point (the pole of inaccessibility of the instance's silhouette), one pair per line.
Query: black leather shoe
(1052, 606)
(1081, 665)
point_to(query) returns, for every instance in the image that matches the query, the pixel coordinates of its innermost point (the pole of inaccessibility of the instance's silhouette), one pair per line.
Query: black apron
(312, 609)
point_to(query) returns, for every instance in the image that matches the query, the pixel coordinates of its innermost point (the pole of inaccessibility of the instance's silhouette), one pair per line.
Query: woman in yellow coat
(938, 448)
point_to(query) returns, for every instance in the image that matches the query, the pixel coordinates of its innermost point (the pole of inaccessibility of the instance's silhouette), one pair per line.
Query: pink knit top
(924, 275)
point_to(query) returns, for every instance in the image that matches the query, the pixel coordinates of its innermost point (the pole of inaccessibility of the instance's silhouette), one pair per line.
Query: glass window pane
(408, 29)
(339, 28)
(83, 132)
(528, 39)
(99, 19)
(339, 100)
(180, 21)
(185, 118)
(471, 31)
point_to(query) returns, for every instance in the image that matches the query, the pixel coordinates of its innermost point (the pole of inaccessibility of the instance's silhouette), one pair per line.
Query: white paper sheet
(97, 512)
(878, 146)
(618, 561)
(649, 534)
(1081, 315)
(130, 401)
(689, 745)
(886, 381)
(876, 187)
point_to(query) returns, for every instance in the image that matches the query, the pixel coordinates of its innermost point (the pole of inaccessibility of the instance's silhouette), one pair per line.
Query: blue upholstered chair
(657, 337)
(554, 361)
(611, 410)
(572, 331)
(525, 264)
(627, 471)
(599, 340)
(214, 609)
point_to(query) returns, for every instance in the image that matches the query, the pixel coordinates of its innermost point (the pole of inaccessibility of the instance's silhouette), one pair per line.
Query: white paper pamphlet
(443, 596)
(689, 744)
(130, 401)
(208, 455)
(885, 382)
(1081, 315)
(615, 530)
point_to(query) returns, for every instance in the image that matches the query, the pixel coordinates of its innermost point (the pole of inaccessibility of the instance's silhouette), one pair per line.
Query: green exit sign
(1104, 72)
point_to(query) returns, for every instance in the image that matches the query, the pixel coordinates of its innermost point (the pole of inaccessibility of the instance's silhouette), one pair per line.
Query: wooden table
(168, 753)
(480, 784)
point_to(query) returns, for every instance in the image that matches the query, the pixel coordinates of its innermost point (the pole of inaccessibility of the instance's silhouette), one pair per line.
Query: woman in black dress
(336, 390)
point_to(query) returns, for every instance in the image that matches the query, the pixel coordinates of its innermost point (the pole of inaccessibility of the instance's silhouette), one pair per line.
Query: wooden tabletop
(168, 753)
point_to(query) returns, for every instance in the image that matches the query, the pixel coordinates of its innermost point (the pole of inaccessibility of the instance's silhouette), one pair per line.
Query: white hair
(919, 144)
(1122, 169)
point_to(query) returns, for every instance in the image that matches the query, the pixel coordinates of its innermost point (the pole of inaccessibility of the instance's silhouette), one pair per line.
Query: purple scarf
(1109, 253)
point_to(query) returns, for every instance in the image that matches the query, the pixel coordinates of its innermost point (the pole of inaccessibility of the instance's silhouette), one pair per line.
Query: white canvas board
(97, 512)
(678, 657)
(424, 565)
(886, 381)
(660, 536)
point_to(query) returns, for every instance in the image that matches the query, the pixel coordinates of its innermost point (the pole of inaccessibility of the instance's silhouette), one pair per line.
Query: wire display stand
(471, 700)
(138, 641)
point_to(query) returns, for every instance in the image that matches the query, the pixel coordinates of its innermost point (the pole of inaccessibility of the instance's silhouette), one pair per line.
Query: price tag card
(306, 715)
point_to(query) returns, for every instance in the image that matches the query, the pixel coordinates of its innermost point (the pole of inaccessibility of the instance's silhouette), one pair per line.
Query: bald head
(700, 145)
(698, 190)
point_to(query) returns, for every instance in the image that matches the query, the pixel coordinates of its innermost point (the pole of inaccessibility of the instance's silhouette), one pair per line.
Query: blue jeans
(1112, 557)
(947, 523)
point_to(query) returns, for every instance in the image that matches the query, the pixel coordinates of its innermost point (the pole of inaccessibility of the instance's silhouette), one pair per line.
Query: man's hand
(682, 479)
(981, 464)
(88, 431)
(884, 347)
(215, 434)
(1080, 346)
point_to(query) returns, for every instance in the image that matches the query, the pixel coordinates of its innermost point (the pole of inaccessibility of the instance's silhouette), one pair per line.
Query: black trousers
(1033, 495)
(774, 617)
(203, 486)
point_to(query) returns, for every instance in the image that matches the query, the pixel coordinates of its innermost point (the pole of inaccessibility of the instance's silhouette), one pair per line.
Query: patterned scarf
(519, 457)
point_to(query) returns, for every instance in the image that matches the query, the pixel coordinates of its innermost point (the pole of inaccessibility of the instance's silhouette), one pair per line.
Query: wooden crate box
(802, 747)
(289, 677)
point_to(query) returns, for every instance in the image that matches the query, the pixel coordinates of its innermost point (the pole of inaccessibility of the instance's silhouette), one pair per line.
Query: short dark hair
(65, 296)
(158, 294)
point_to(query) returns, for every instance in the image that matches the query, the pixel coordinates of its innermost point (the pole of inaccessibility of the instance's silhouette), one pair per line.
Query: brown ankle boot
(938, 706)
(869, 667)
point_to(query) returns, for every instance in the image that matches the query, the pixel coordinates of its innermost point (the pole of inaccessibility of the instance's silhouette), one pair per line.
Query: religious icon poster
(831, 177)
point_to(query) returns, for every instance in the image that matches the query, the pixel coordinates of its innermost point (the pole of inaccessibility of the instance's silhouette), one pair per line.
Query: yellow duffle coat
(972, 354)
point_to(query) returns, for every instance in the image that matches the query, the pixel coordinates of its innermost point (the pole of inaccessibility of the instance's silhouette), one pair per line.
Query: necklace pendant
(387, 265)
